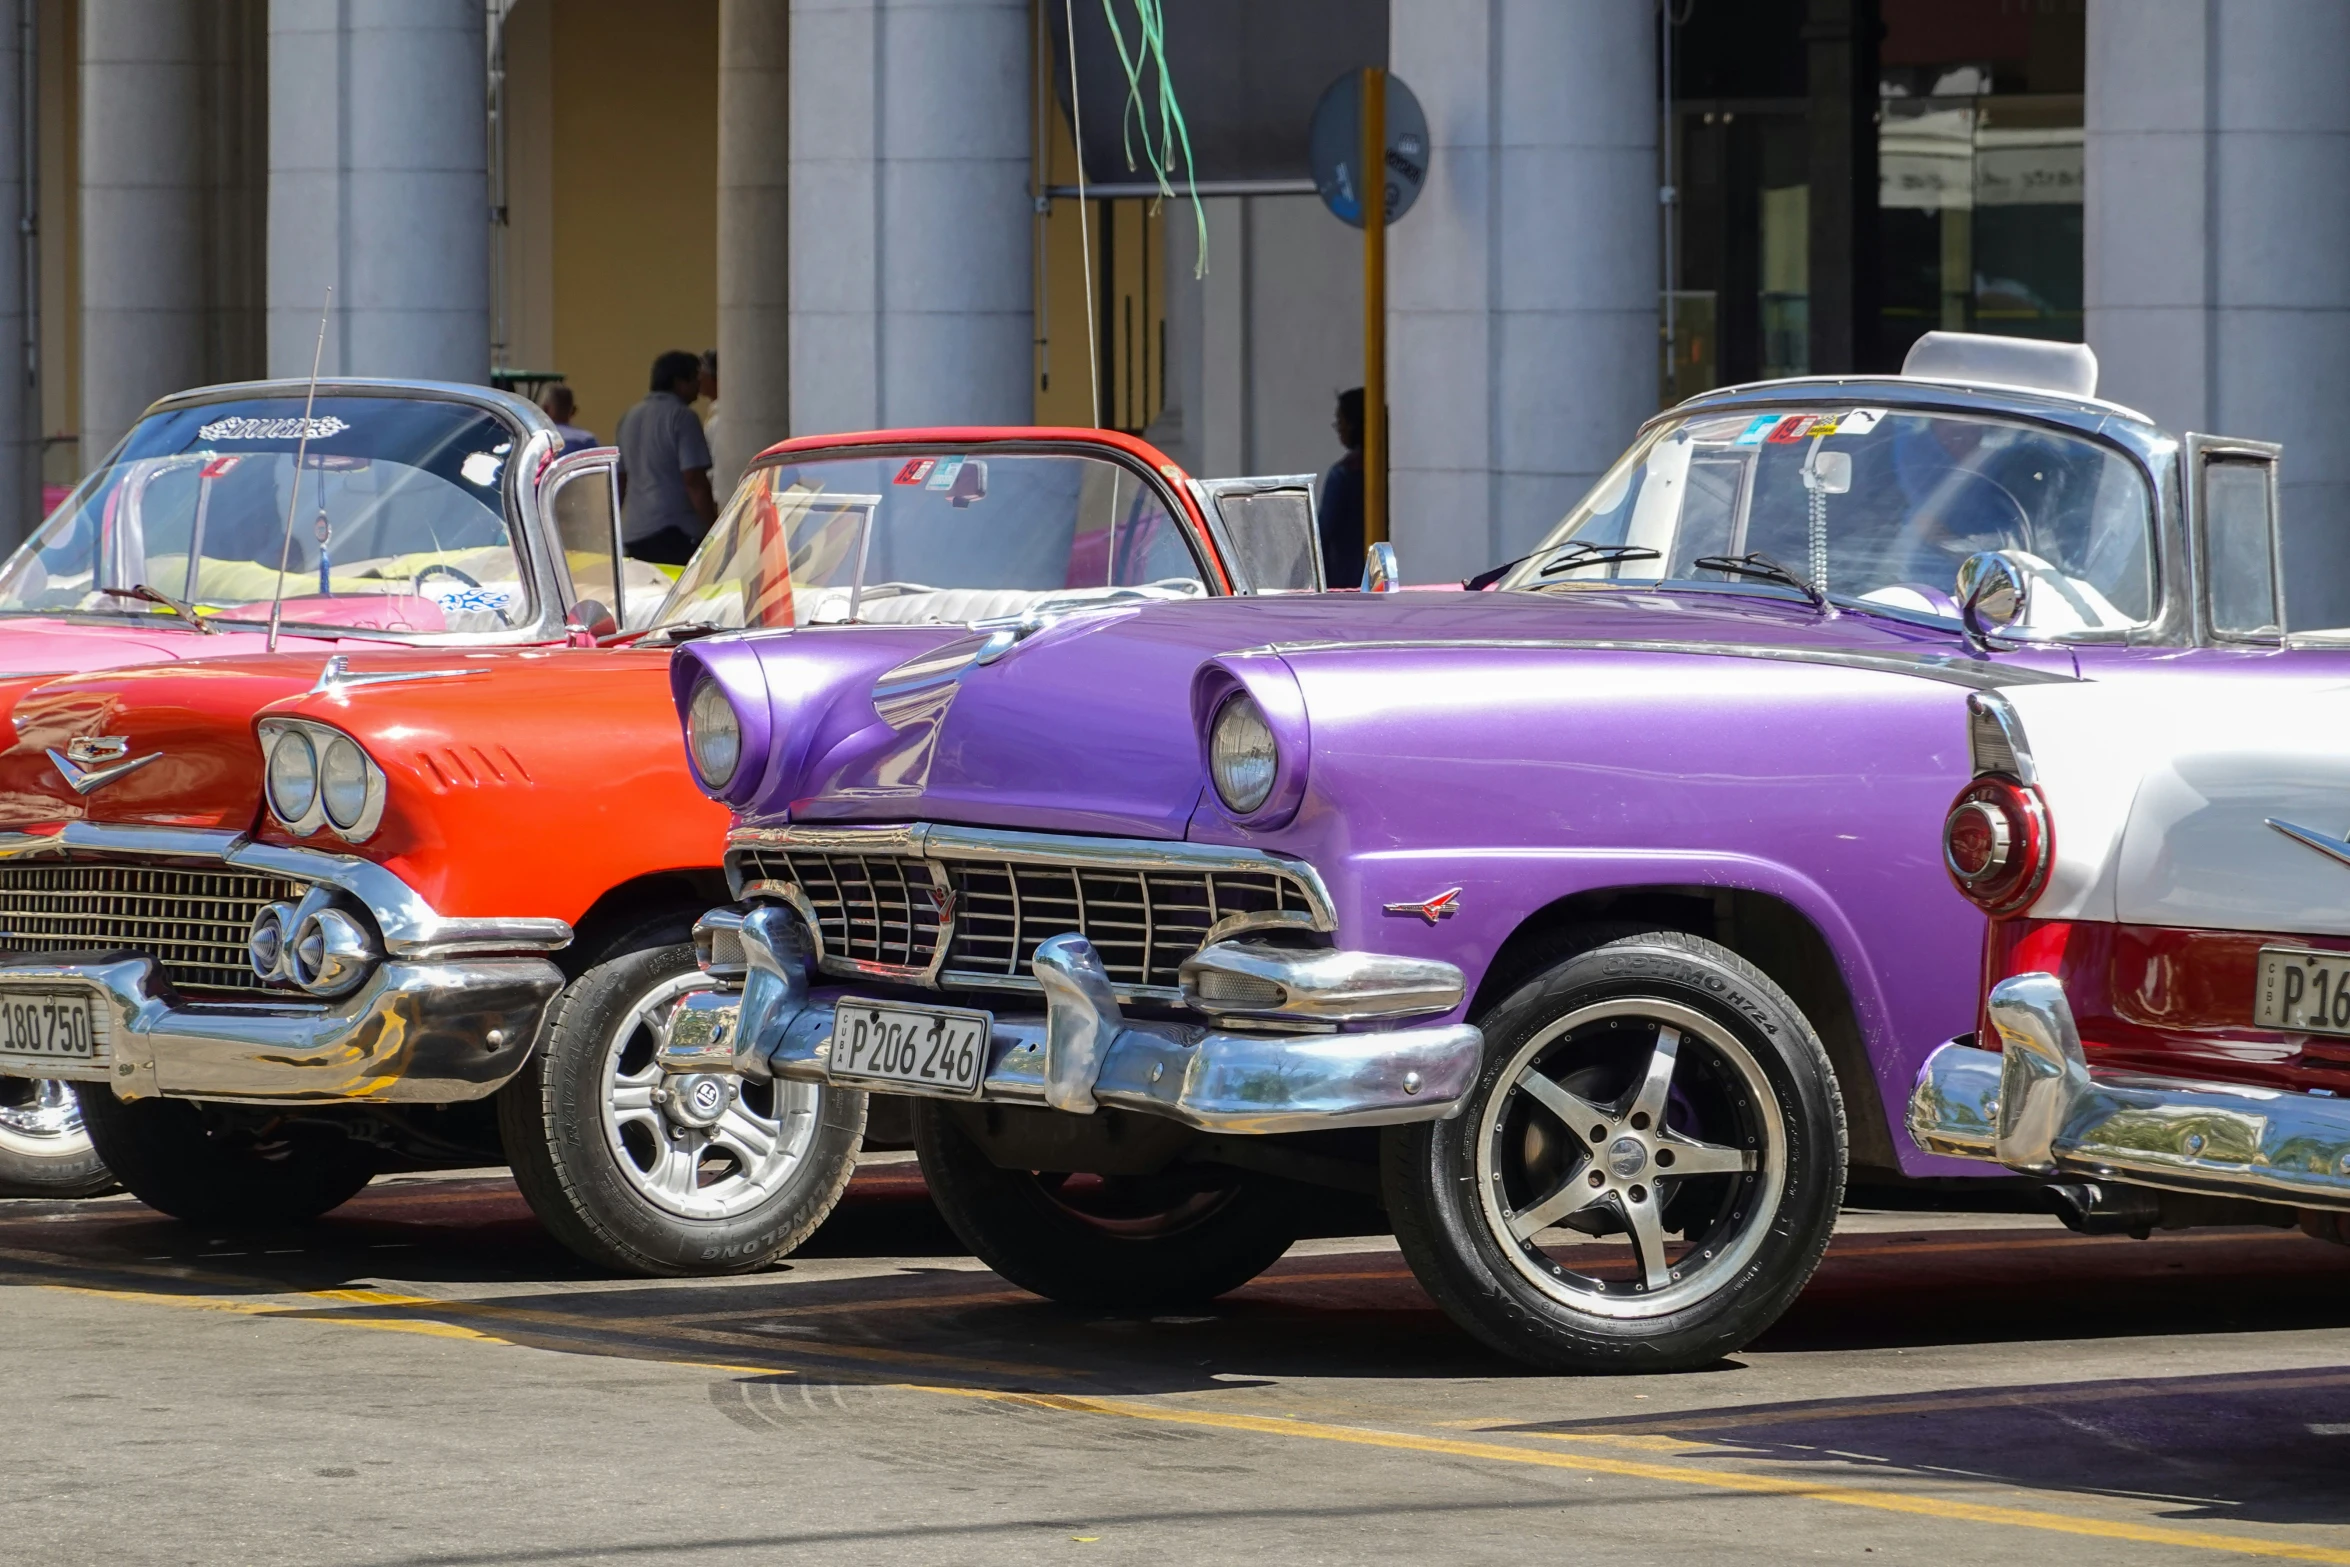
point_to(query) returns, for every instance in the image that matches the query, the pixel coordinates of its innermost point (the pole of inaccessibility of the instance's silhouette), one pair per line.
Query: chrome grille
(192, 921)
(883, 910)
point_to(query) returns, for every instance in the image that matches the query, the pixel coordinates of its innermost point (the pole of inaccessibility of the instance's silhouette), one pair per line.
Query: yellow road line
(1685, 1474)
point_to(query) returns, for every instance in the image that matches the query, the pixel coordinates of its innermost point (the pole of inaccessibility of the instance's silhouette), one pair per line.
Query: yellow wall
(634, 192)
(1129, 299)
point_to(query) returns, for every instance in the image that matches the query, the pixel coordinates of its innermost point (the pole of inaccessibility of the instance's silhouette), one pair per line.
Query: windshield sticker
(1753, 434)
(455, 598)
(271, 429)
(1860, 421)
(218, 467)
(945, 477)
(1789, 430)
(916, 470)
(481, 468)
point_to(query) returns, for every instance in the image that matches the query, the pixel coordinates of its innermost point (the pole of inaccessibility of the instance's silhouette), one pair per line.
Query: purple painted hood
(1089, 725)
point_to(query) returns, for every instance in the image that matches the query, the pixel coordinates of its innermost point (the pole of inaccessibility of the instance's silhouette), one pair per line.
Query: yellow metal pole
(1374, 198)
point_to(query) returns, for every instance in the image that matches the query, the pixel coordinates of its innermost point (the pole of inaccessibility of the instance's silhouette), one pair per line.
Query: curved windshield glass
(399, 520)
(1874, 504)
(947, 537)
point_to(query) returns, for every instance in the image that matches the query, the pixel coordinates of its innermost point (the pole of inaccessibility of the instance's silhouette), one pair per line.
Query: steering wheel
(442, 568)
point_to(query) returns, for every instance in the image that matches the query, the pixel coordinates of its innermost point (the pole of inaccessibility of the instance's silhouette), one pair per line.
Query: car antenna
(285, 549)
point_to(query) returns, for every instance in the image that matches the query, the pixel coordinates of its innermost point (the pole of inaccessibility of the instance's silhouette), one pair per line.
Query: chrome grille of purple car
(885, 913)
(193, 922)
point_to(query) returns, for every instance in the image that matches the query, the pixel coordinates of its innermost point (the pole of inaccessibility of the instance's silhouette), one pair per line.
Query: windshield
(1875, 504)
(942, 537)
(399, 520)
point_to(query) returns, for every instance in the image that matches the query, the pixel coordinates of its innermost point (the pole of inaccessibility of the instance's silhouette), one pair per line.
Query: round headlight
(293, 776)
(1242, 755)
(715, 734)
(342, 779)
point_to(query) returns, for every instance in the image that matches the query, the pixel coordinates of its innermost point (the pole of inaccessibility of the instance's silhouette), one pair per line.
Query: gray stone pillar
(1522, 288)
(2217, 244)
(378, 157)
(142, 210)
(20, 396)
(754, 258)
(910, 218)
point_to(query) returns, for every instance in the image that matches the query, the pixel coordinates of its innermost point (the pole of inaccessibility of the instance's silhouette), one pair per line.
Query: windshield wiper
(1761, 567)
(1573, 553)
(147, 595)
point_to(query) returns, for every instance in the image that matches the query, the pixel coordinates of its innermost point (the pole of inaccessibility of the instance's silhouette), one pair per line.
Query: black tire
(569, 1164)
(1120, 1244)
(44, 1149)
(1746, 1090)
(175, 1157)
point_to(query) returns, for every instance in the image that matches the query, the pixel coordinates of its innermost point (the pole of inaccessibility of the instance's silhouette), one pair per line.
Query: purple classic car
(1596, 922)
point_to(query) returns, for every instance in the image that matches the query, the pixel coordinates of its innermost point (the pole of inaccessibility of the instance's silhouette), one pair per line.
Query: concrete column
(910, 214)
(143, 229)
(754, 256)
(2217, 244)
(20, 399)
(378, 185)
(1522, 288)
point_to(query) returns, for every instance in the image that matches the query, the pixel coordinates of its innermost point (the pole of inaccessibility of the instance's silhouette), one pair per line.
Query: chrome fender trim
(2040, 1108)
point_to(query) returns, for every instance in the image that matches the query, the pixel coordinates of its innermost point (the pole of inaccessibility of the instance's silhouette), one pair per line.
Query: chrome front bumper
(414, 1033)
(2038, 1107)
(1083, 1053)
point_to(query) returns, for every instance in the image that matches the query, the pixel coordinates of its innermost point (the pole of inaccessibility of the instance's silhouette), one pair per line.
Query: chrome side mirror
(1379, 573)
(588, 620)
(1993, 593)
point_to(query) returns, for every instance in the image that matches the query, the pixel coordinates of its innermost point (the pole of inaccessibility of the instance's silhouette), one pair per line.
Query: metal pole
(1374, 198)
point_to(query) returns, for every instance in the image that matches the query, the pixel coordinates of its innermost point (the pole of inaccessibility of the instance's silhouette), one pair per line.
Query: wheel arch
(643, 908)
(1768, 929)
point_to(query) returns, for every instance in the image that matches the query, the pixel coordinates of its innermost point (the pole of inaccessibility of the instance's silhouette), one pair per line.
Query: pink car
(423, 513)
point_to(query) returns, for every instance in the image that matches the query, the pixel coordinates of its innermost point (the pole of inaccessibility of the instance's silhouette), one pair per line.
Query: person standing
(718, 481)
(1340, 509)
(563, 409)
(665, 500)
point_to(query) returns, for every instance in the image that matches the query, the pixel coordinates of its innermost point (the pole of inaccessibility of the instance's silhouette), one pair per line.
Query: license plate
(48, 1025)
(939, 1048)
(2303, 992)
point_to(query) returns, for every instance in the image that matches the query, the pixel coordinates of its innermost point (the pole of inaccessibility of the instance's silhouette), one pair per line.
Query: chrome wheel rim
(1631, 1157)
(40, 1118)
(683, 1160)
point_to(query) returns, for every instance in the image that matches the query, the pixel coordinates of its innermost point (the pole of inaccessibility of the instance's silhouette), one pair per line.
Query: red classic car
(320, 915)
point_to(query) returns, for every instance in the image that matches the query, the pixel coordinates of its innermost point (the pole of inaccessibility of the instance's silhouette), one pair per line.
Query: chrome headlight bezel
(296, 738)
(711, 723)
(1244, 755)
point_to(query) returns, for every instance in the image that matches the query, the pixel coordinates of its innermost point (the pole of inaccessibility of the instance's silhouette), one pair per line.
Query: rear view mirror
(1993, 593)
(970, 484)
(1830, 473)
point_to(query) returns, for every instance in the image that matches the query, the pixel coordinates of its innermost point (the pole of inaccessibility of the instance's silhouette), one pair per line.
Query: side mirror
(1379, 572)
(1993, 593)
(588, 621)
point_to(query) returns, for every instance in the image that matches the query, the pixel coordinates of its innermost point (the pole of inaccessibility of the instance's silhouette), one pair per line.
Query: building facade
(935, 211)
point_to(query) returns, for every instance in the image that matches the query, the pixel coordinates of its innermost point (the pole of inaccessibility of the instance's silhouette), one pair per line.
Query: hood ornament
(2333, 848)
(1441, 907)
(91, 762)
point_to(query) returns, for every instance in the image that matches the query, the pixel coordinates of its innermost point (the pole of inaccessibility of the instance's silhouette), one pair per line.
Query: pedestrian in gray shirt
(665, 500)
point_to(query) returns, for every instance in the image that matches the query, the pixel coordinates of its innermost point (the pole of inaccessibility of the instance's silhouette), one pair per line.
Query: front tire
(44, 1148)
(196, 1165)
(1107, 1243)
(1646, 1172)
(639, 1182)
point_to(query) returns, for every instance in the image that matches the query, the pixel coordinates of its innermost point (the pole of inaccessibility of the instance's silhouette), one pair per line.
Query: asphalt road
(425, 1379)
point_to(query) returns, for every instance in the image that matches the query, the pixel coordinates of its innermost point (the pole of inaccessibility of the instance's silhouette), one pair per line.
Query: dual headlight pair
(318, 776)
(1243, 756)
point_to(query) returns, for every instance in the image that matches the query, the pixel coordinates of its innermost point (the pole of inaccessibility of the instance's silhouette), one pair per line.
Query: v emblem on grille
(83, 780)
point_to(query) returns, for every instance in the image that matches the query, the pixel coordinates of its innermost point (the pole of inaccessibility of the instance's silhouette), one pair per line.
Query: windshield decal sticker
(271, 429)
(945, 476)
(1860, 421)
(916, 470)
(218, 467)
(1789, 430)
(1753, 434)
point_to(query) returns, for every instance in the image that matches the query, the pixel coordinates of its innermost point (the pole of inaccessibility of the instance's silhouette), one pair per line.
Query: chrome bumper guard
(414, 1033)
(2038, 1107)
(1083, 1054)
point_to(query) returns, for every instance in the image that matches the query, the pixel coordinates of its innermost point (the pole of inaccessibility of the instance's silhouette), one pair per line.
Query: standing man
(562, 407)
(665, 500)
(1341, 507)
(718, 481)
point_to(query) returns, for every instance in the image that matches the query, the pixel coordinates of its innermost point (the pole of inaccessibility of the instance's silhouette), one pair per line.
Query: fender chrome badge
(91, 762)
(2335, 848)
(1441, 907)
